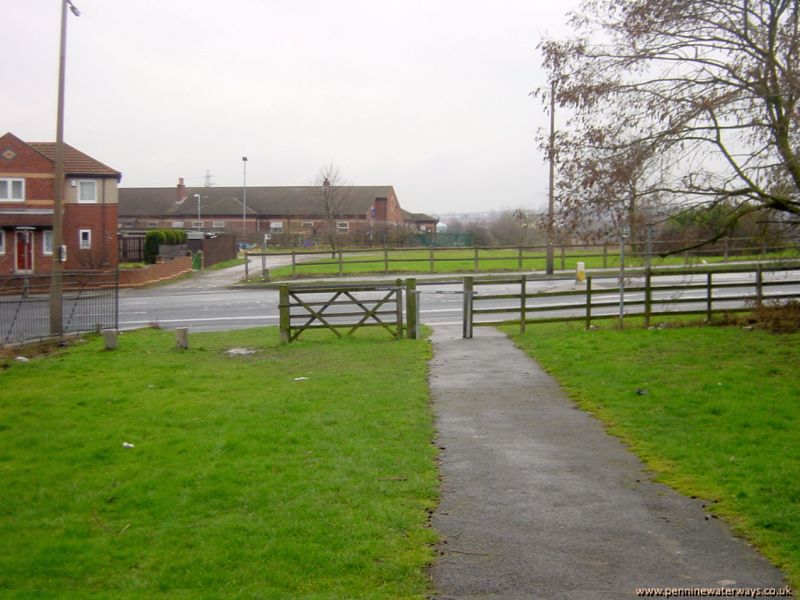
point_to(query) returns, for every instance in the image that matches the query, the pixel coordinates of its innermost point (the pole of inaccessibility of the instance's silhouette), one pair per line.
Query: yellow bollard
(580, 272)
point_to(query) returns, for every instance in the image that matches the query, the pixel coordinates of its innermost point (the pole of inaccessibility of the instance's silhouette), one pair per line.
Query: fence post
(759, 287)
(476, 259)
(411, 308)
(341, 264)
(648, 298)
(726, 249)
(519, 258)
(523, 315)
(430, 255)
(468, 300)
(294, 263)
(588, 302)
(263, 265)
(283, 308)
(246, 266)
(399, 304)
(563, 258)
(385, 259)
(605, 255)
(709, 291)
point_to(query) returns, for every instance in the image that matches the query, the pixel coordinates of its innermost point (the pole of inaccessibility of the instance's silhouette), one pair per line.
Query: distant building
(27, 175)
(291, 215)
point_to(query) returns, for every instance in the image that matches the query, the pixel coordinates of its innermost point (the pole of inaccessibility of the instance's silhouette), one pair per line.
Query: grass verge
(716, 414)
(300, 471)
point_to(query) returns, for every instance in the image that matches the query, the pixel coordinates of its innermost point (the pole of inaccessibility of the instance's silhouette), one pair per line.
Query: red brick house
(292, 215)
(27, 175)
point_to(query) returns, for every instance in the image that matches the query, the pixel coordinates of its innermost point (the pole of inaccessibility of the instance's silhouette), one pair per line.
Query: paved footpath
(538, 501)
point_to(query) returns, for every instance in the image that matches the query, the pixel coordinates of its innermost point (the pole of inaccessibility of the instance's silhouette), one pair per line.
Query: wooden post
(399, 304)
(385, 259)
(519, 258)
(476, 259)
(246, 266)
(263, 266)
(563, 258)
(468, 302)
(341, 264)
(726, 249)
(182, 337)
(523, 300)
(283, 308)
(294, 263)
(430, 258)
(709, 294)
(759, 287)
(588, 301)
(110, 338)
(411, 308)
(605, 255)
(648, 298)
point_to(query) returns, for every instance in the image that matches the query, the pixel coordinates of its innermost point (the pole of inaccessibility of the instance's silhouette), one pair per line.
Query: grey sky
(430, 96)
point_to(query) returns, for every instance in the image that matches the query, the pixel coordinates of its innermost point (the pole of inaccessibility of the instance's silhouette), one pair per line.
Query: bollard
(580, 272)
(110, 338)
(182, 337)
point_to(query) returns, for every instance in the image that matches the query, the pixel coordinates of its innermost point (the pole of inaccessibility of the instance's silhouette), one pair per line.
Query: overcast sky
(430, 96)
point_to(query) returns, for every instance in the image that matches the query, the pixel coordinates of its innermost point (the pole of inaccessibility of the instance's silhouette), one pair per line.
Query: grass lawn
(720, 418)
(231, 262)
(490, 260)
(244, 481)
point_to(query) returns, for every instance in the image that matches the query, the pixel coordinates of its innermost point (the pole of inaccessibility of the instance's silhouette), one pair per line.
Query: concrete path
(539, 502)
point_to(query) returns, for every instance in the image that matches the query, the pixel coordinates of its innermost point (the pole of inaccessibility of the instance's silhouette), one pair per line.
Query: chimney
(181, 191)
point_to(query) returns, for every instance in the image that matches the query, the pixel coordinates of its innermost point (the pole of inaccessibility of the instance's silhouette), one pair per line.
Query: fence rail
(90, 301)
(675, 293)
(528, 257)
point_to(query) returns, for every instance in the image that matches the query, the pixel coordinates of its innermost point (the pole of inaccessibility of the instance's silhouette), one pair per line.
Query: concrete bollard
(580, 272)
(182, 337)
(110, 338)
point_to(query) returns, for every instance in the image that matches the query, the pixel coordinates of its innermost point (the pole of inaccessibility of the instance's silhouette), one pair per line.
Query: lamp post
(59, 254)
(199, 217)
(244, 196)
(551, 186)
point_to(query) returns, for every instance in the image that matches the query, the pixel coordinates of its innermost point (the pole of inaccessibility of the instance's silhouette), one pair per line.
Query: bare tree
(331, 196)
(679, 101)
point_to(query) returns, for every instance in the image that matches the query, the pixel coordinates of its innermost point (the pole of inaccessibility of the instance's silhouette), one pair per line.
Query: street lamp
(244, 196)
(199, 218)
(59, 254)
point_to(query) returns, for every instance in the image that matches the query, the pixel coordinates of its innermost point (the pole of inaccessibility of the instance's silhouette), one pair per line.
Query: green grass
(232, 262)
(244, 482)
(463, 261)
(720, 419)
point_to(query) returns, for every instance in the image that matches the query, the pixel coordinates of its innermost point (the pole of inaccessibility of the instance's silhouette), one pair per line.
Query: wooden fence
(514, 257)
(340, 307)
(673, 293)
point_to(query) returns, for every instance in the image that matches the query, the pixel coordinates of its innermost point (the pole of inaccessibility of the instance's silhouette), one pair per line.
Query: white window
(87, 191)
(12, 190)
(47, 242)
(342, 226)
(177, 224)
(2, 242)
(85, 239)
(152, 224)
(218, 224)
(197, 224)
(276, 226)
(308, 224)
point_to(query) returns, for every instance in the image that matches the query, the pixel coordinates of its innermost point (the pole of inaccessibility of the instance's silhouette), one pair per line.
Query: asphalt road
(204, 302)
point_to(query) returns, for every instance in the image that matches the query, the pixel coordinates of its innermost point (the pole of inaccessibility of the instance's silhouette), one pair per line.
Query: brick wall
(155, 273)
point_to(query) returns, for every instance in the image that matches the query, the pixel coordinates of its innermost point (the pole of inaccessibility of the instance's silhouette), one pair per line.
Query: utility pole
(551, 196)
(244, 196)
(59, 249)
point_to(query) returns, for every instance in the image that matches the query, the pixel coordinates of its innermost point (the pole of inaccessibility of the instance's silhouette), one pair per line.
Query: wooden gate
(340, 307)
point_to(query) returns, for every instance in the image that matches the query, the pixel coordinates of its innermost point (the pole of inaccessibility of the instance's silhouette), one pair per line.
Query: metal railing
(90, 302)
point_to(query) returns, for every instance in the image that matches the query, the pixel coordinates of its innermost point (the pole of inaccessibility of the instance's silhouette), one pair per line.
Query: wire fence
(90, 301)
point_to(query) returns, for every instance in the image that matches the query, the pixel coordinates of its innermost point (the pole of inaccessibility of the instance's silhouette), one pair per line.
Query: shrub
(153, 240)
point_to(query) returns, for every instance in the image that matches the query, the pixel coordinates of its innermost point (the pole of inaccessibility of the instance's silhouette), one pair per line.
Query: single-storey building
(27, 176)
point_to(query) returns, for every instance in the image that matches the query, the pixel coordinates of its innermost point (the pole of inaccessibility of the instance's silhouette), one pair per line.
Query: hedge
(153, 239)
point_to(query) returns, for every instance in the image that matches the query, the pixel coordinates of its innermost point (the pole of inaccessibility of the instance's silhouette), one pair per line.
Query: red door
(24, 251)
